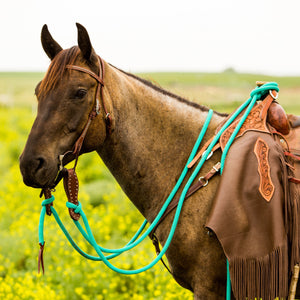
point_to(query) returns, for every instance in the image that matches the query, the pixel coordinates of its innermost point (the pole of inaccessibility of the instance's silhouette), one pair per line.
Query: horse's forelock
(57, 69)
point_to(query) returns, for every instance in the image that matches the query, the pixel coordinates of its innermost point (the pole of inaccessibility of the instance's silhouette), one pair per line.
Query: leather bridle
(96, 110)
(71, 183)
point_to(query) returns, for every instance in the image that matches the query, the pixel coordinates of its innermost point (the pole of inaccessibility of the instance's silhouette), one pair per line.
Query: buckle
(202, 179)
(274, 97)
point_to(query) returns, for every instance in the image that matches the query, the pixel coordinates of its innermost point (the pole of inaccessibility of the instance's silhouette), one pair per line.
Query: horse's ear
(84, 42)
(50, 46)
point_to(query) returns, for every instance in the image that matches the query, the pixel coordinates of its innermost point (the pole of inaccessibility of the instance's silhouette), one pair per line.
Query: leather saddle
(255, 211)
(289, 127)
(269, 116)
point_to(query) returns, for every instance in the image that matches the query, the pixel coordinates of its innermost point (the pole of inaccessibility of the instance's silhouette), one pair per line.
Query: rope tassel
(47, 203)
(41, 258)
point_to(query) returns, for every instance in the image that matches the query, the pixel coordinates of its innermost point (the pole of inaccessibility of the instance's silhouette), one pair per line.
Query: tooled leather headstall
(69, 176)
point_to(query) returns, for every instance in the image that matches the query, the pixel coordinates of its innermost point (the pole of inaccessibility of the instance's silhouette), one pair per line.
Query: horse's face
(65, 99)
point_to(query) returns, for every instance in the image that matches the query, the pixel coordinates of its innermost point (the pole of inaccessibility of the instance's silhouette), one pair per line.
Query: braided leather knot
(77, 208)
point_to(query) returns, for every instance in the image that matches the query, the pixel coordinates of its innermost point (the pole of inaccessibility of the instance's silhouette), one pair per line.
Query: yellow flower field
(112, 217)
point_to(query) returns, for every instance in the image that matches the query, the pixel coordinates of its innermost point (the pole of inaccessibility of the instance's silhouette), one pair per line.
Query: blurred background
(249, 36)
(210, 52)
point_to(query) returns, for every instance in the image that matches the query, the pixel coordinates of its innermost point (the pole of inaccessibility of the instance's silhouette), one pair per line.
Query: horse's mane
(167, 93)
(57, 69)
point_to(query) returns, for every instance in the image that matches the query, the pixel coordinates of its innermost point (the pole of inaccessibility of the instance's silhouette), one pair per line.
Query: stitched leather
(71, 186)
(266, 186)
(253, 122)
(265, 112)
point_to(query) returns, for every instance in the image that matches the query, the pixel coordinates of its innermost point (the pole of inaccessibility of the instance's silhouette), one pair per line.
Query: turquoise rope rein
(255, 95)
(89, 236)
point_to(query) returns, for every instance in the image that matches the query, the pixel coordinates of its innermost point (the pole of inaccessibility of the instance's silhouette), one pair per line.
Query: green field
(112, 217)
(220, 91)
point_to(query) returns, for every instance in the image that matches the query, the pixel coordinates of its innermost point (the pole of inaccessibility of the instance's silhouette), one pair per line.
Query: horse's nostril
(41, 163)
(34, 170)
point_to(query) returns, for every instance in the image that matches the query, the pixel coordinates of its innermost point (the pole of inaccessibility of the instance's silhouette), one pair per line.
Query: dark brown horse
(152, 133)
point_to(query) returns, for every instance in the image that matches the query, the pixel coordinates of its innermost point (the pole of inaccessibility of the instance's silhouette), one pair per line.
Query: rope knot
(48, 201)
(265, 88)
(77, 208)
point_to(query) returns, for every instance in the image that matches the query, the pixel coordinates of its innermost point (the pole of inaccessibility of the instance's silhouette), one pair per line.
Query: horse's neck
(152, 139)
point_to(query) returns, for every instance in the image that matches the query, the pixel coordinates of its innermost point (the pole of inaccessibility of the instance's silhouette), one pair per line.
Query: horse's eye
(80, 94)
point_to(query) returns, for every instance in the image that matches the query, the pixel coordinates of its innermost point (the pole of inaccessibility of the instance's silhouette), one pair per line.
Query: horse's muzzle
(38, 171)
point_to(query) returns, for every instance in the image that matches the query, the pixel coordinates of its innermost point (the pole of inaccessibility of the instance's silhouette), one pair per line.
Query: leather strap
(94, 112)
(73, 67)
(294, 156)
(202, 182)
(99, 94)
(71, 183)
(157, 250)
(80, 140)
(108, 118)
(47, 193)
(41, 258)
(71, 186)
(203, 149)
(267, 102)
(294, 180)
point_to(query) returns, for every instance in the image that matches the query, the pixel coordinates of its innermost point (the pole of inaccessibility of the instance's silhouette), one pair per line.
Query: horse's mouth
(43, 173)
(38, 181)
(38, 172)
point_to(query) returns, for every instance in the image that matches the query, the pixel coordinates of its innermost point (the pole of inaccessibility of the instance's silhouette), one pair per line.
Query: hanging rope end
(41, 258)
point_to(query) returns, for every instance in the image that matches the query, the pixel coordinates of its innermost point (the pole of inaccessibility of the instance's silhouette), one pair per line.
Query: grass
(112, 216)
(17, 89)
(225, 91)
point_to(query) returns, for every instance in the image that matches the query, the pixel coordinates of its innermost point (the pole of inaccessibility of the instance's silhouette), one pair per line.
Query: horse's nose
(31, 164)
(33, 169)
(39, 163)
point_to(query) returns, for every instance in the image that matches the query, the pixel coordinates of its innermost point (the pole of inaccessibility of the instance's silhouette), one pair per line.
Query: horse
(145, 146)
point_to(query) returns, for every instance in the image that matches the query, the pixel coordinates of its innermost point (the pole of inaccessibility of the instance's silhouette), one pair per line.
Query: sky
(257, 36)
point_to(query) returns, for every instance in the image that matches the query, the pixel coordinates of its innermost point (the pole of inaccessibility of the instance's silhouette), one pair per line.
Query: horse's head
(66, 97)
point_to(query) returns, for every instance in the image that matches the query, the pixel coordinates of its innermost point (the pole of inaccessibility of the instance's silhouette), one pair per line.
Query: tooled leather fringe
(261, 278)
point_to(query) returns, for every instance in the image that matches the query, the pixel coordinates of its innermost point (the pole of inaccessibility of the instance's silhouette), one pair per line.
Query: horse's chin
(45, 179)
(39, 185)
